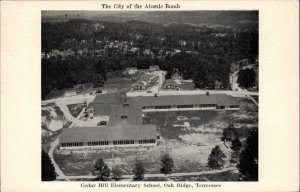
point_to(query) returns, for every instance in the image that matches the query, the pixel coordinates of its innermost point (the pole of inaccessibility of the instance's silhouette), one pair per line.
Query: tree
(246, 78)
(167, 164)
(235, 146)
(138, 171)
(215, 159)
(228, 134)
(101, 170)
(48, 170)
(248, 165)
(116, 173)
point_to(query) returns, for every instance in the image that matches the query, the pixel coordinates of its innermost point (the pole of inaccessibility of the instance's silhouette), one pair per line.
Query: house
(120, 135)
(182, 43)
(70, 92)
(134, 49)
(218, 84)
(148, 52)
(177, 51)
(169, 53)
(131, 70)
(154, 67)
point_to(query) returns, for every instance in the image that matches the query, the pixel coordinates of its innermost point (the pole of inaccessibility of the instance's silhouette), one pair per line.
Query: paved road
(58, 171)
(62, 104)
(253, 100)
(71, 100)
(240, 93)
(162, 175)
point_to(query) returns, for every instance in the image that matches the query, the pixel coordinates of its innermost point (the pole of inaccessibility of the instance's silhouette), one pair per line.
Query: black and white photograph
(143, 96)
(150, 95)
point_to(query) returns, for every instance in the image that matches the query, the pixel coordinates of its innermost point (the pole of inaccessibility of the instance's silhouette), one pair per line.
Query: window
(123, 142)
(234, 106)
(146, 141)
(184, 106)
(124, 117)
(163, 107)
(72, 144)
(97, 143)
(125, 105)
(207, 105)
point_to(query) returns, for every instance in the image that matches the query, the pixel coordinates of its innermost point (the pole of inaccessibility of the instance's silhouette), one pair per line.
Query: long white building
(120, 135)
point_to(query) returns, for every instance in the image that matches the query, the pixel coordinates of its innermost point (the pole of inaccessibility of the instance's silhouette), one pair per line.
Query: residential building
(131, 70)
(154, 67)
(70, 92)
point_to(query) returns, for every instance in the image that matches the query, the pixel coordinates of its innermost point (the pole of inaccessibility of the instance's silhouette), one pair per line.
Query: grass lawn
(76, 108)
(80, 165)
(169, 132)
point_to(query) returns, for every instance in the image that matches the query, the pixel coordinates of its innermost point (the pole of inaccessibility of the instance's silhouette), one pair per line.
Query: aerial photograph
(149, 96)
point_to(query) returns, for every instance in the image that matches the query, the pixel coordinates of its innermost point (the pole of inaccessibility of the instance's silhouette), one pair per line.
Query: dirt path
(162, 175)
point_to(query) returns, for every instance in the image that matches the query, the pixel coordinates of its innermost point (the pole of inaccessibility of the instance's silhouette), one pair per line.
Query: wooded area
(203, 56)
